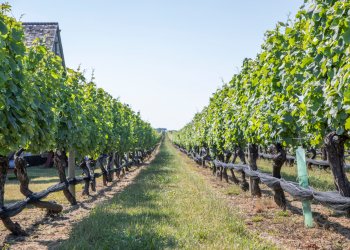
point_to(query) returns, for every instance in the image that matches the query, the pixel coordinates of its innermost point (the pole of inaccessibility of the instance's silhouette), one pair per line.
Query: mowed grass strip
(169, 206)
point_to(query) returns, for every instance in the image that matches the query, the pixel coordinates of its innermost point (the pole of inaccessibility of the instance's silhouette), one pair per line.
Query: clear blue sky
(164, 58)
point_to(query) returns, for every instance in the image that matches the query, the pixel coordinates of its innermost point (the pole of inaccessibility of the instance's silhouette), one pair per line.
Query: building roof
(45, 31)
(49, 32)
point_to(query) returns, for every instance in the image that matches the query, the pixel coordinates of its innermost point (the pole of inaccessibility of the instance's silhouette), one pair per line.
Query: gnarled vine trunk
(244, 185)
(142, 156)
(278, 160)
(86, 171)
(127, 159)
(227, 157)
(109, 167)
(60, 162)
(313, 156)
(253, 154)
(89, 174)
(221, 158)
(235, 155)
(49, 159)
(14, 227)
(213, 154)
(203, 154)
(324, 153)
(103, 170)
(334, 145)
(22, 176)
(117, 165)
(234, 178)
(90, 165)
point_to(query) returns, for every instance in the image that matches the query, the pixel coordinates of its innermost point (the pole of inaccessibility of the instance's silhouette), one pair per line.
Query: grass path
(169, 206)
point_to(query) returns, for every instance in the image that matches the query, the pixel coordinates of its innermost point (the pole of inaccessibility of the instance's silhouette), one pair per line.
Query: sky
(164, 58)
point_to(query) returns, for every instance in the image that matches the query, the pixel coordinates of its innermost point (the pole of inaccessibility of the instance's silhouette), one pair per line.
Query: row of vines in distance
(46, 107)
(295, 91)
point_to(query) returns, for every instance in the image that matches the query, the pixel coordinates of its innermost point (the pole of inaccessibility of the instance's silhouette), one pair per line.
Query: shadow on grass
(51, 181)
(35, 173)
(131, 219)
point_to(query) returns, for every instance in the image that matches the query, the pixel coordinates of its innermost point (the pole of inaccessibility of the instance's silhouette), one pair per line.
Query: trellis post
(304, 182)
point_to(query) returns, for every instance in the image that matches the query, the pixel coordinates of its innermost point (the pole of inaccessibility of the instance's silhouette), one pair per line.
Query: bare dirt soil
(46, 232)
(284, 228)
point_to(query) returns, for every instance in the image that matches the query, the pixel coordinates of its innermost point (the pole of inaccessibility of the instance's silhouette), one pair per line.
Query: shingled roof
(48, 32)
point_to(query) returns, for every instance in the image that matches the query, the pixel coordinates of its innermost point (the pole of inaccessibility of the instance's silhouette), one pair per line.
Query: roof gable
(49, 32)
(45, 31)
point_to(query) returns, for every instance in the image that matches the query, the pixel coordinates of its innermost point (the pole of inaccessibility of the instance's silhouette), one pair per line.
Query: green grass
(319, 179)
(257, 218)
(169, 206)
(40, 179)
(283, 213)
(233, 190)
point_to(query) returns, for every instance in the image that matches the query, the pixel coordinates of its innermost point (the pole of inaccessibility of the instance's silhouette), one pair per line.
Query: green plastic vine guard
(304, 182)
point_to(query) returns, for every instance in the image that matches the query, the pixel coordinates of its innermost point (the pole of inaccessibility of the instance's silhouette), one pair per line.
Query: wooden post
(71, 170)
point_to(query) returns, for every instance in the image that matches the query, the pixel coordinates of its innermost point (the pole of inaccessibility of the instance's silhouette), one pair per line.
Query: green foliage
(45, 79)
(44, 106)
(15, 113)
(298, 86)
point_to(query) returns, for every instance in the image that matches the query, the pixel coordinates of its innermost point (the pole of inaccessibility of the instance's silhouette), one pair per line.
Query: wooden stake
(304, 182)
